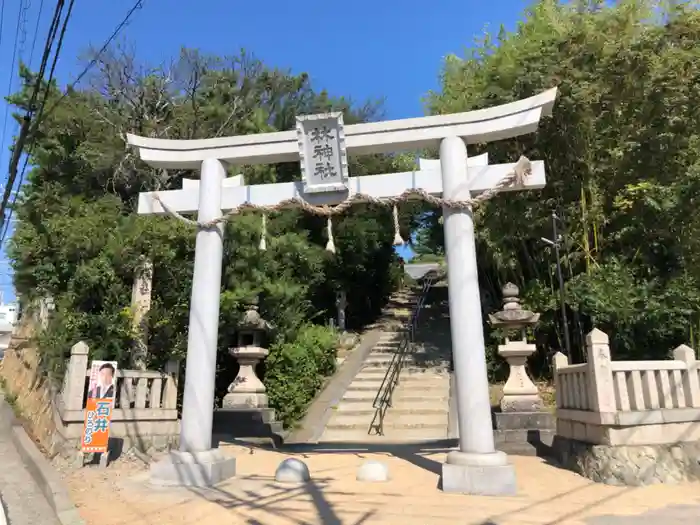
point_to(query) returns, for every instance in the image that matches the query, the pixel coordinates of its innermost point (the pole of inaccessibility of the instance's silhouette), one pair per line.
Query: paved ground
(547, 495)
(24, 503)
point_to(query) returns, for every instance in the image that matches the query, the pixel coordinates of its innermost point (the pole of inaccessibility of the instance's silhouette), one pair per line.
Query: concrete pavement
(23, 501)
(547, 495)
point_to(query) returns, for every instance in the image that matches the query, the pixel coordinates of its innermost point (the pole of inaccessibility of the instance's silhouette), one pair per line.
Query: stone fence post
(601, 389)
(691, 380)
(560, 361)
(73, 387)
(172, 370)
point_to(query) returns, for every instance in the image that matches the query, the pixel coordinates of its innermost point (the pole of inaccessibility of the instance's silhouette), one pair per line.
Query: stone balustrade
(145, 410)
(629, 422)
(636, 385)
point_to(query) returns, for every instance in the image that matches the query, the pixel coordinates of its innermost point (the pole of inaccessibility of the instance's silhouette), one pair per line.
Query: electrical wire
(24, 15)
(2, 18)
(137, 5)
(24, 131)
(53, 70)
(12, 72)
(36, 32)
(38, 116)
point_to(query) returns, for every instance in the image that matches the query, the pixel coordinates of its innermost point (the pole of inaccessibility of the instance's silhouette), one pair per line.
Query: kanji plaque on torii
(453, 182)
(322, 152)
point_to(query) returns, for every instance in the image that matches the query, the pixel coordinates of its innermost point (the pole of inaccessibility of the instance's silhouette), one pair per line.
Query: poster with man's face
(103, 380)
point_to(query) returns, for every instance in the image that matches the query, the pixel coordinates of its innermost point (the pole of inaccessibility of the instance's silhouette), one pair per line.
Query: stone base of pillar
(522, 403)
(525, 433)
(241, 423)
(525, 421)
(245, 400)
(478, 474)
(192, 469)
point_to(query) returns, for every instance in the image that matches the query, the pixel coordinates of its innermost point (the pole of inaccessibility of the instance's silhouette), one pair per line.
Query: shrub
(295, 371)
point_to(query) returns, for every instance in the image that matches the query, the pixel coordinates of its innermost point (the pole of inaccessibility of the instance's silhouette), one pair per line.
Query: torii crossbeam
(477, 467)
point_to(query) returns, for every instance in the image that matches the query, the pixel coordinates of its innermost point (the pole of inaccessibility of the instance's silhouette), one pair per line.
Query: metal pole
(562, 291)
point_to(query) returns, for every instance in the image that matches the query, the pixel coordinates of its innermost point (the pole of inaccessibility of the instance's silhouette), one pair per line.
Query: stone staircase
(420, 408)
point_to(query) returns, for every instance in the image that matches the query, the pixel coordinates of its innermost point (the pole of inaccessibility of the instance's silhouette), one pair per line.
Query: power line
(12, 70)
(2, 18)
(24, 14)
(36, 32)
(59, 45)
(137, 5)
(21, 139)
(51, 73)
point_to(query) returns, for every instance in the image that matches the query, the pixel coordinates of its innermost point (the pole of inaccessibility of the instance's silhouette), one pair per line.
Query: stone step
(392, 419)
(410, 378)
(363, 386)
(399, 404)
(380, 356)
(383, 361)
(407, 367)
(340, 420)
(437, 419)
(409, 375)
(388, 348)
(359, 394)
(349, 420)
(406, 370)
(401, 409)
(394, 340)
(356, 407)
(391, 435)
(386, 355)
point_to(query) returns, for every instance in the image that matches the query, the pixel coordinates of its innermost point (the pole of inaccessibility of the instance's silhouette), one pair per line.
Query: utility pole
(556, 244)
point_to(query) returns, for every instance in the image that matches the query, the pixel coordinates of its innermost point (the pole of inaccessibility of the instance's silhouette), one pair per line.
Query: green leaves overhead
(622, 153)
(79, 240)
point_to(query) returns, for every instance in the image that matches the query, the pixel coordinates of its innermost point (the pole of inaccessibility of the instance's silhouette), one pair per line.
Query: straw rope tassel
(398, 240)
(330, 245)
(263, 234)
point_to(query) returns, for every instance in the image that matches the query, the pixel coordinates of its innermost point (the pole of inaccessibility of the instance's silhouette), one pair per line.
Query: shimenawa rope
(521, 171)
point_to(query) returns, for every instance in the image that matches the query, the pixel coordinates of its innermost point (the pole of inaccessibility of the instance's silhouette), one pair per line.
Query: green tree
(79, 240)
(622, 156)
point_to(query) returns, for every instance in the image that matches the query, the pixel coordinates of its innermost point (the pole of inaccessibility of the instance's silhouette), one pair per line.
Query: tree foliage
(622, 153)
(79, 240)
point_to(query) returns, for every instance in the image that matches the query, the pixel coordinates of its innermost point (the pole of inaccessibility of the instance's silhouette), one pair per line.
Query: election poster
(99, 406)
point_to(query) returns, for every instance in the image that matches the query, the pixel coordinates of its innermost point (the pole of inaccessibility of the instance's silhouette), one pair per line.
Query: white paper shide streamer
(330, 245)
(263, 233)
(398, 240)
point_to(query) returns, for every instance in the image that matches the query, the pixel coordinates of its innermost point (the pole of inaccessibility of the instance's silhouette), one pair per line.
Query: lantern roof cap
(252, 320)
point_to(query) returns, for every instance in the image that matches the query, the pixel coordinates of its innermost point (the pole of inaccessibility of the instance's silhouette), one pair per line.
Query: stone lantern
(247, 391)
(520, 394)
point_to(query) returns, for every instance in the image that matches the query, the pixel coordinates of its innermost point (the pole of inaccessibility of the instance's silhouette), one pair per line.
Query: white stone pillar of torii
(321, 143)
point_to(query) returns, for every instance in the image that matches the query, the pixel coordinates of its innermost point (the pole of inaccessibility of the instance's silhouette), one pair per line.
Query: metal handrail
(382, 400)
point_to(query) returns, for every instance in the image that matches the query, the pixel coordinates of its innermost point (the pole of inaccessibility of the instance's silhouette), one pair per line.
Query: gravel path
(23, 501)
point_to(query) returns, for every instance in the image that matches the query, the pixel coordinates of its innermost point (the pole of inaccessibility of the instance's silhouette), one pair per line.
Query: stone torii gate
(322, 143)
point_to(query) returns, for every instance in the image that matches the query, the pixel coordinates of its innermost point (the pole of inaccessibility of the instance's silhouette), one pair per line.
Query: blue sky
(390, 49)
